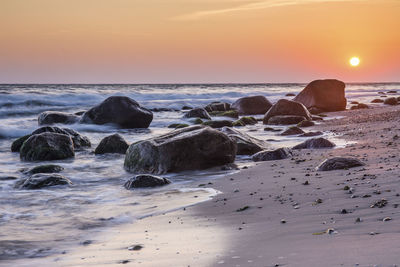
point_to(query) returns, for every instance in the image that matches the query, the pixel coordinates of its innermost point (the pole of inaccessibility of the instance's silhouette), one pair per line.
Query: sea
(39, 223)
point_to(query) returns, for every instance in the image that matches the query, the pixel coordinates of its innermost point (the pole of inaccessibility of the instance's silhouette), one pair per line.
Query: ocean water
(36, 223)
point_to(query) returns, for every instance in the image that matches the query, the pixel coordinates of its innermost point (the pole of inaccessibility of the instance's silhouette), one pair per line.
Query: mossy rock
(178, 125)
(248, 120)
(230, 113)
(238, 123)
(218, 124)
(197, 121)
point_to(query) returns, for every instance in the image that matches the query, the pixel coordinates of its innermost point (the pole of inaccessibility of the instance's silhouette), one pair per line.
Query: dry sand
(222, 232)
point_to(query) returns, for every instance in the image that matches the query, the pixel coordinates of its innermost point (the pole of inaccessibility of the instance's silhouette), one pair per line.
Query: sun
(354, 61)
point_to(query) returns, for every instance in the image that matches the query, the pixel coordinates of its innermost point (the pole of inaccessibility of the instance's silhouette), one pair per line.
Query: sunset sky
(198, 41)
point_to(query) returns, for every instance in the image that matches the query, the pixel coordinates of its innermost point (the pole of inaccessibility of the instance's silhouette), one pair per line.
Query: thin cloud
(253, 6)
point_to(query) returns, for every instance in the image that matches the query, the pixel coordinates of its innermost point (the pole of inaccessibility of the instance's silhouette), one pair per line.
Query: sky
(198, 41)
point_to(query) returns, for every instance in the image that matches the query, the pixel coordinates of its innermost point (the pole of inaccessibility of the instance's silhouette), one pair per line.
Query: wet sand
(277, 213)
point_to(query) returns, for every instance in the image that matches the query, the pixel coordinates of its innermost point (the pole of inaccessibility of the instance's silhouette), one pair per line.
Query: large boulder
(52, 117)
(112, 144)
(277, 154)
(252, 105)
(190, 148)
(146, 180)
(285, 119)
(326, 95)
(391, 101)
(218, 106)
(197, 113)
(41, 180)
(287, 107)
(315, 143)
(339, 163)
(79, 140)
(47, 146)
(120, 110)
(246, 144)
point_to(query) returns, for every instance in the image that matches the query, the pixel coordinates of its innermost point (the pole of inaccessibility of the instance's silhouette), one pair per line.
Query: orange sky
(167, 41)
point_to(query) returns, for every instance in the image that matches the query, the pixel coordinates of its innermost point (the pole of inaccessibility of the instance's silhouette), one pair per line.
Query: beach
(278, 213)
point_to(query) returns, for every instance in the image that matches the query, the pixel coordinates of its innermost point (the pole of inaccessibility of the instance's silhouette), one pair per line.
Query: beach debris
(337, 163)
(379, 203)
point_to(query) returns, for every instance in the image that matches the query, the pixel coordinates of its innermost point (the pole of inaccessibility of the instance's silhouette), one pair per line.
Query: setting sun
(354, 61)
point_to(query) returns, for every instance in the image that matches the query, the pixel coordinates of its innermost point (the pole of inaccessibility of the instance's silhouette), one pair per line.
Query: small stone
(358, 220)
(386, 219)
(283, 221)
(343, 211)
(331, 231)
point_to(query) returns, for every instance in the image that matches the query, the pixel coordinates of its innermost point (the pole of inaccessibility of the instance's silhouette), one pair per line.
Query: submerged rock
(120, 110)
(217, 106)
(179, 125)
(42, 180)
(277, 154)
(338, 163)
(310, 134)
(285, 119)
(49, 168)
(145, 180)
(52, 117)
(252, 105)
(287, 107)
(315, 143)
(293, 131)
(112, 144)
(246, 144)
(191, 148)
(218, 124)
(327, 95)
(47, 146)
(198, 113)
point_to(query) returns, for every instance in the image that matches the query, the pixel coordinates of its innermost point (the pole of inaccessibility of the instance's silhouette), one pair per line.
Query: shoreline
(223, 232)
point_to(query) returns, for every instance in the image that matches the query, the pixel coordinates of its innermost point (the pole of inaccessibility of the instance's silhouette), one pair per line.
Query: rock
(392, 92)
(230, 113)
(79, 113)
(41, 180)
(49, 168)
(354, 102)
(162, 109)
(246, 144)
(145, 180)
(51, 117)
(293, 131)
(190, 148)
(391, 101)
(120, 110)
(290, 94)
(310, 134)
(112, 144)
(218, 124)
(8, 178)
(178, 125)
(187, 108)
(315, 110)
(287, 107)
(285, 119)
(78, 139)
(360, 106)
(270, 129)
(16, 145)
(267, 155)
(317, 118)
(339, 163)
(47, 146)
(306, 123)
(252, 105)
(198, 113)
(196, 121)
(327, 95)
(377, 100)
(243, 121)
(315, 143)
(217, 106)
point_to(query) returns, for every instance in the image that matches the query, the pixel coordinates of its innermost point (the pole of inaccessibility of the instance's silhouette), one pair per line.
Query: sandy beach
(278, 213)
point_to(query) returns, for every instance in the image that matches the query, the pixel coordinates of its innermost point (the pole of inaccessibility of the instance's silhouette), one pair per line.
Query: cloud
(253, 6)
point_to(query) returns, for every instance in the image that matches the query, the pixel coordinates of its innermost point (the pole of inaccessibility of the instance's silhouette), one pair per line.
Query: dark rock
(190, 148)
(230, 113)
(51, 117)
(16, 145)
(287, 107)
(310, 134)
(78, 139)
(315, 143)
(243, 121)
(293, 131)
(120, 110)
(178, 125)
(162, 109)
(315, 110)
(79, 113)
(327, 95)
(8, 178)
(280, 153)
(354, 102)
(47, 146)
(391, 101)
(246, 144)
(339, 163)
(217, 106)
(145, 180)
(360, 106)
(218, 124)
(196, 121)
(252, 105)
(49, 168)
(270, 129)
(290, 94)
(317, 118)
(306, 123)
(392, 92)
(198, 113)
(377, 100)
(285, 119)
(41, 180)
(187, 108)
(112, 144)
